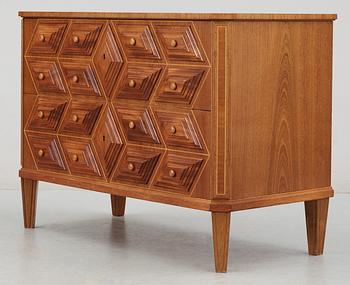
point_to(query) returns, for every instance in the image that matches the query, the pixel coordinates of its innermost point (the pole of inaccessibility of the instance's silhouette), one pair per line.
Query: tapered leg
(221, 236)
(118, 205)
(29, 195)
(316, 220)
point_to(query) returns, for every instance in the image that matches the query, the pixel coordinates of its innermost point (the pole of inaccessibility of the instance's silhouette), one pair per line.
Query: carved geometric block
(47, 76)
(138, 81)
(47, 37)
(81, 38)
(81, 157)
(46, 114)
(80, 77)
(180, 84)
(108, 61)
(46, 152)
(108, 142)
(180, 130)
(138, 127)
(178, 172)
(81, 117)
(137, 41)
(136, 165)
(179, 42)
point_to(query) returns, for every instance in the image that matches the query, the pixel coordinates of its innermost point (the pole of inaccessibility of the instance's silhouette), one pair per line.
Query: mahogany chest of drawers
(216, 112)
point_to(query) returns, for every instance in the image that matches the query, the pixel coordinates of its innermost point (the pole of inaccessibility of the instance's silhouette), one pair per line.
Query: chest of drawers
(215, 112)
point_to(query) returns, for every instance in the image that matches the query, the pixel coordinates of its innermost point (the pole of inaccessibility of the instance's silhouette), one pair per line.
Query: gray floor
(78, 242)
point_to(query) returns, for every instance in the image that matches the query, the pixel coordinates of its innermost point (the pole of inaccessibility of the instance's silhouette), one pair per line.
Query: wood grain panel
(281, 108)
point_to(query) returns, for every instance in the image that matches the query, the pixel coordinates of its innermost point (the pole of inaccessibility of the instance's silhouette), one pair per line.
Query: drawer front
(47, 152)
(47, 76)
(180, 130)
(46, 114)
(81, 157)
(179, 42)
(178, 172)
(47, 37)
(180, 85)
(139, 81)
(138, 125)
(138, 41)
(81, 78)
(81, 117)
(137, 165)
(82, 37)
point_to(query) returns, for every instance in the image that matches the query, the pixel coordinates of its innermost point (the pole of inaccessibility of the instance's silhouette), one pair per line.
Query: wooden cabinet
(216, 112)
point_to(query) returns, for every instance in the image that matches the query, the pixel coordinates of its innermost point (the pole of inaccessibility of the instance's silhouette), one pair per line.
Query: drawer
(47, 152)
(179, 42)
(81, 157)
(138, 125)
(137, 165)
(80, 77)
(81, 117)
(47, 37)
(138, 41)
(180, 84)
(180, 130)
(108, 61)
(178, 172)
(108, 141)
(139, 81)
(82, 37)
(47, 76)
(47, 113)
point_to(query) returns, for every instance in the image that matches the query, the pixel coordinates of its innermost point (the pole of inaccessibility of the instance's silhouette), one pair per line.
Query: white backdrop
(10, 65)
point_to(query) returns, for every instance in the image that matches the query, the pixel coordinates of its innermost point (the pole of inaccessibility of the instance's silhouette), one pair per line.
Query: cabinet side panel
(280, 107)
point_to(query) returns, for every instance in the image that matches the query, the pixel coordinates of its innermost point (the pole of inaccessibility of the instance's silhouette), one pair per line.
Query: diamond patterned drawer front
(216, 112)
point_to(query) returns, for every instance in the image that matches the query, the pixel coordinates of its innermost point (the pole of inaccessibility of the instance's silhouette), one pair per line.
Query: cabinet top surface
(179, 16)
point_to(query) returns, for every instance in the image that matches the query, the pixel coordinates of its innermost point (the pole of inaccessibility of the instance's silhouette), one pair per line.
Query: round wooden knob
(131, 166)
(75, 118)
(74, 157)
(173, 86)
(173, 43)
(131, 125)
(172, 173)
(132, 41)
(76, 39)
(41, 152)
(41, 114)
(173, 129)
(132, 83)
(42, 38)
(41, 76)
(75, 78)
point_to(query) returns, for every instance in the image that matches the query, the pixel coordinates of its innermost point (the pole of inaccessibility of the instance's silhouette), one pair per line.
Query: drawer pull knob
(173, 86)
(75, 157)
(131, 166)
(132, 41)
(41, 114)
(131, 125)
(42, 38)
(75, 78)
(173, 129)
(41, 152)
(132, 83)
(75, 118)
(76, 39)
(172, 173)
(173, 43)
(41, 76)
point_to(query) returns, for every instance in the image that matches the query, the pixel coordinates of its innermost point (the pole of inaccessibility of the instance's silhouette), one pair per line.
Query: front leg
(221, 237)
(29, 196)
